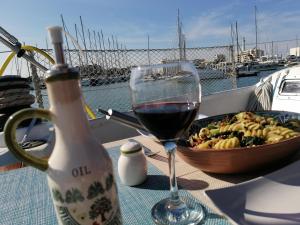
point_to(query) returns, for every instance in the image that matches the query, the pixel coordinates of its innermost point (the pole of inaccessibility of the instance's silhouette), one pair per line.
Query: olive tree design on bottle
(57, 195)
(95, 189)
(73, 196)
(100, 207)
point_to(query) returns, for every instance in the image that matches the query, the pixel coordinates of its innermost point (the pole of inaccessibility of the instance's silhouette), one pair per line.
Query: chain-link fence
(105, 74)
(105, 68)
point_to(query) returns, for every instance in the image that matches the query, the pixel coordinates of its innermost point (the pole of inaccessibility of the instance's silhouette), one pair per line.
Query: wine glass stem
(171, 149)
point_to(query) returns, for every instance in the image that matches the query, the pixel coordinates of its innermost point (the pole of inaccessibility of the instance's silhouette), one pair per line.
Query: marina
(149, 120)
(119, 96)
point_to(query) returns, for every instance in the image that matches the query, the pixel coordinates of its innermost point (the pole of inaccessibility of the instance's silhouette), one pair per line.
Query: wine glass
(166, 99)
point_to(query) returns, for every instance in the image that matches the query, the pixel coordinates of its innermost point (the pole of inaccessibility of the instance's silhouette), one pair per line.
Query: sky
(205, 22)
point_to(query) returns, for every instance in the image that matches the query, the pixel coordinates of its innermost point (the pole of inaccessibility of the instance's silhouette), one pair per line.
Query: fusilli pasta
(245, 129)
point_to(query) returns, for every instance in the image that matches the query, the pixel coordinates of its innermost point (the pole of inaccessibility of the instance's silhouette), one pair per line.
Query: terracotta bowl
(239, 160)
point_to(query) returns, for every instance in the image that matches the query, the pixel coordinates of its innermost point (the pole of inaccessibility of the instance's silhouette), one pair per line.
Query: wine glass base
(185, 212)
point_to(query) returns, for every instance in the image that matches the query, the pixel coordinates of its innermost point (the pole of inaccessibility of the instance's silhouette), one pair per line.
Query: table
(194, 180)
(33, 209)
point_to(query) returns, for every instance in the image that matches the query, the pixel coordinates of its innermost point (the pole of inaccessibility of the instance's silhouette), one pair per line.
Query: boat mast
(114, 51)
(148, 49)
(297, 53)
(272, 50)
(101, 58)
(118, 52)
(232, 42)
(84, 44)
(184, 47)
(76, 33)
(91, 47)
(111, 62)
(67, 42)
(265, 49)
(255, 31)
(179, 35)
(97, 51)
(103, 45)
(237, 41)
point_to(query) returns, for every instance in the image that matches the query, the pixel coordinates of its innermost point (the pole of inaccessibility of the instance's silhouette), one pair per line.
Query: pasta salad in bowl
(241, 142)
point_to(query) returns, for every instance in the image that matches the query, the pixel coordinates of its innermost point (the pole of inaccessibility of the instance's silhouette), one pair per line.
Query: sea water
(117, 95)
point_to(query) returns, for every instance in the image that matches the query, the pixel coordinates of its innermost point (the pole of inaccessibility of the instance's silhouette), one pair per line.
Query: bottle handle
(10, 136)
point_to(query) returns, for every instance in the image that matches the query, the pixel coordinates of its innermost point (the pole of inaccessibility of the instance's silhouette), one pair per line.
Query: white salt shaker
(132, 164)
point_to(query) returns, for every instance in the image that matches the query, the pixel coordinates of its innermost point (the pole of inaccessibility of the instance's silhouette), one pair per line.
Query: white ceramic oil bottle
(80, 173)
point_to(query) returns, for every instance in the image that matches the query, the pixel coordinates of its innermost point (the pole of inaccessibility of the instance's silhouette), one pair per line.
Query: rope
(261, 98)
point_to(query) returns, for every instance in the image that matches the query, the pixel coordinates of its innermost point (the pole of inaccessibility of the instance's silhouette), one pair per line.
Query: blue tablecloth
(25, 198)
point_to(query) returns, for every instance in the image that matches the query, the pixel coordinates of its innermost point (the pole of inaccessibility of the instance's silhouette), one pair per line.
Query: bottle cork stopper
(55, 34)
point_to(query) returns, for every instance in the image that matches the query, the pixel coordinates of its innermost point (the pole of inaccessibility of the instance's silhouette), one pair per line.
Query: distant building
(295, 51)
(250, 55)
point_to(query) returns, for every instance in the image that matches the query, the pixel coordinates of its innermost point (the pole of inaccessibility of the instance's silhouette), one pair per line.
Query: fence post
(36, 83)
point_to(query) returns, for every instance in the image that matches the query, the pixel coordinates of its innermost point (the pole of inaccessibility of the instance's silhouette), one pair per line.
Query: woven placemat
(25, 198)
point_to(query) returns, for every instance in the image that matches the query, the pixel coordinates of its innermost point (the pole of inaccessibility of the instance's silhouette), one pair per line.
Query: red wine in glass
(166, 120)
(165, 98)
